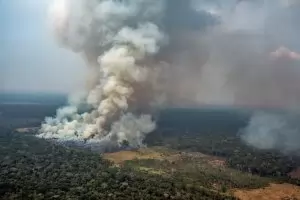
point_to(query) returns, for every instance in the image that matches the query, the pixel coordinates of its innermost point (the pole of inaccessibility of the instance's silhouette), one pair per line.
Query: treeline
(228, 145)
(229, 120)
(198, 171)
(215, 131)
(32, 98)
(27, 110)
(36, 169)
(14, 116)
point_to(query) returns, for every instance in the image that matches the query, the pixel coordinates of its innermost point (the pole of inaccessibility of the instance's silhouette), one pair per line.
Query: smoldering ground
(145, 54)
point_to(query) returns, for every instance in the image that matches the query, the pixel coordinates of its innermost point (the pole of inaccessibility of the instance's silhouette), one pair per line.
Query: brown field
(121, 156)
(159, 154)
(272, 192)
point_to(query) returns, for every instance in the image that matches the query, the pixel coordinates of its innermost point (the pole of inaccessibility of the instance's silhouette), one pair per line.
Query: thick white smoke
(115, 38)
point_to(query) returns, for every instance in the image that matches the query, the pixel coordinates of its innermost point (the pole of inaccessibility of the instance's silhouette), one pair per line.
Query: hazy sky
(30, 59)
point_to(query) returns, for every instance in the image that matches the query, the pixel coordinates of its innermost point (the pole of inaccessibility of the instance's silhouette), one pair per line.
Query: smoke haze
(142, 55)
(28, 53)
(275, 131)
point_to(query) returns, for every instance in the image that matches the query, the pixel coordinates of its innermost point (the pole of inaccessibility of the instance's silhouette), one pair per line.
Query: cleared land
(274, 192)
(183, 164)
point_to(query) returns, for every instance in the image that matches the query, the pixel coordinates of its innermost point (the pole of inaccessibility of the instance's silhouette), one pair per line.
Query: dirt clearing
(120, 157)
(272, 192)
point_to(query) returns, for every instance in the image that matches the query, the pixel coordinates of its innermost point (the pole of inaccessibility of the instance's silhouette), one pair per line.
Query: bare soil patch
(212, 160)
(122, 156)
(159, 154)
(274, 192)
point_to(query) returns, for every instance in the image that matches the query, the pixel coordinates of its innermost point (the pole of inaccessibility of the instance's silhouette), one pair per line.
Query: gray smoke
(119, 41)
(229, 62)
(145, 54)
(274, 131)
(277, 85)
(112, 36)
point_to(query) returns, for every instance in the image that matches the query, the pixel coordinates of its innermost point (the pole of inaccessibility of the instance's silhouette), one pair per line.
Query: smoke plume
(278, 130)
(113, 36)
(120, 42)
(143, 55)
(274, 131)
